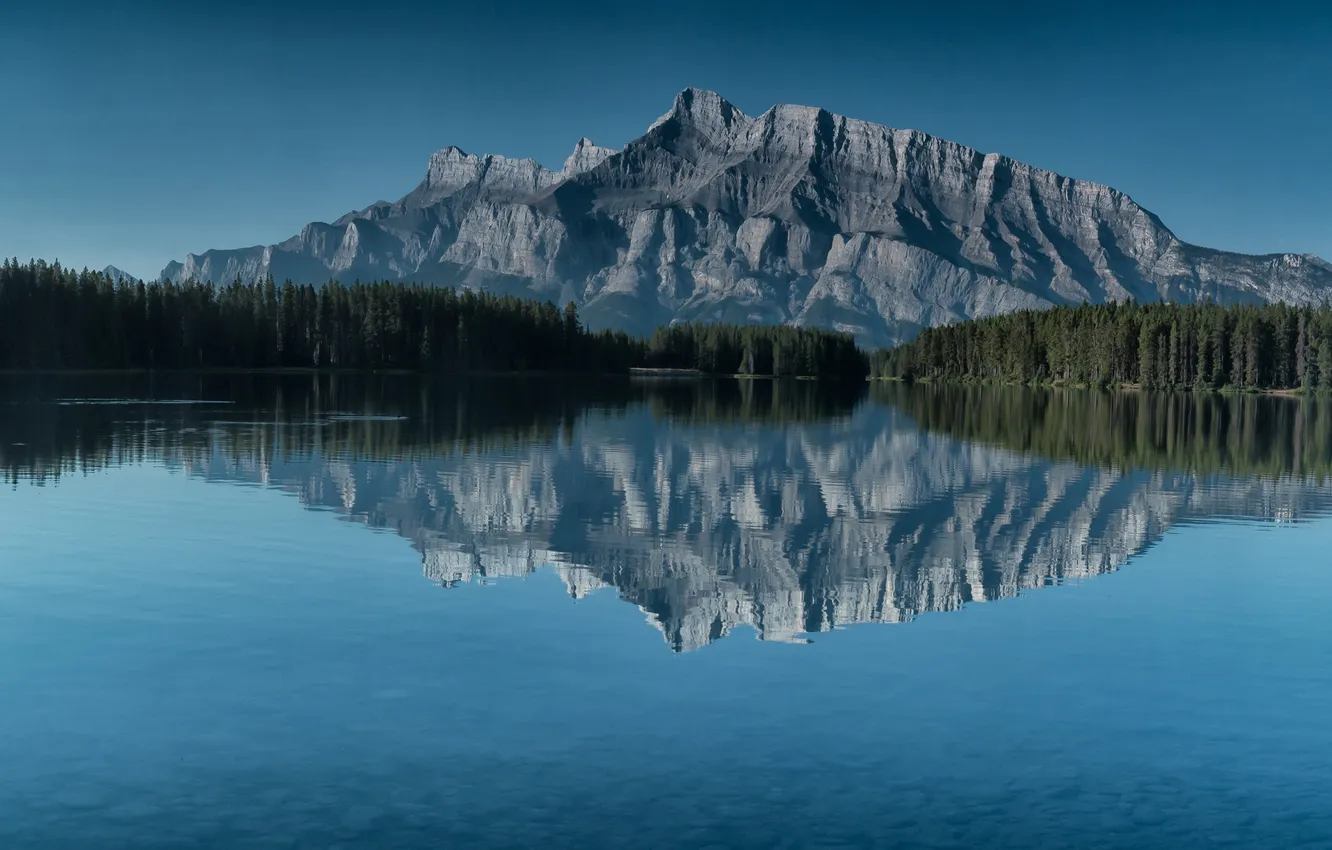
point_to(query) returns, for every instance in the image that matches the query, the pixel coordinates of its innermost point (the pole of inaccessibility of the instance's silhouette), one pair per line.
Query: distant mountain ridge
(797, 215)
(118, 274)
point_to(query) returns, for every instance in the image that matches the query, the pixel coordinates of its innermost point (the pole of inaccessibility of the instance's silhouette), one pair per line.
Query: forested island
(55, 318)
(1153, 346)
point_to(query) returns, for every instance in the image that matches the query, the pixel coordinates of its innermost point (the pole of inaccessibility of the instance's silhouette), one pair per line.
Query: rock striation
(797, 215)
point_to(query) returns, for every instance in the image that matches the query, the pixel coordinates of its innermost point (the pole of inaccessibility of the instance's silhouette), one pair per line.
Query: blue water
(230, 639)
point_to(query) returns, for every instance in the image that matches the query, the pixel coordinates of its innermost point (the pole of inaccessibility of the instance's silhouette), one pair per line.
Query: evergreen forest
(1154, 346)
(55, 318)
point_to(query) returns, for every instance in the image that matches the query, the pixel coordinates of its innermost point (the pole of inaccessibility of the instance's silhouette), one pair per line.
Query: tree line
(55, 318)
(782, 350)
(1155, 346)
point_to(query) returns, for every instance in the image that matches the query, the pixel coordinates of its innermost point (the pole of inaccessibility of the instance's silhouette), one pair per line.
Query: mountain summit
(796, 215)
(118, 274)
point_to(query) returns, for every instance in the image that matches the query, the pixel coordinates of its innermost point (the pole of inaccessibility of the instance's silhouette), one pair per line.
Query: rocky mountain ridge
(797, 215)
(115, 273)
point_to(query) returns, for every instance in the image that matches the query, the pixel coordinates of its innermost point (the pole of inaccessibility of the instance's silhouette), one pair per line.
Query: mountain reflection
(792, 508)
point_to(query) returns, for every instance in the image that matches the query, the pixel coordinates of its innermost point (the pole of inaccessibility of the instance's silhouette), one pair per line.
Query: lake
(390, 612)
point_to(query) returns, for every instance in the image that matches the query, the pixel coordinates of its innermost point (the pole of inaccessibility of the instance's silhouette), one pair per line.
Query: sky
(134, 133)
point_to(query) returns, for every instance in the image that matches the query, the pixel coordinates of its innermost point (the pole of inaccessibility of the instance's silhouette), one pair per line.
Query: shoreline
(634, 372)
(1123, 387)
(307, 370)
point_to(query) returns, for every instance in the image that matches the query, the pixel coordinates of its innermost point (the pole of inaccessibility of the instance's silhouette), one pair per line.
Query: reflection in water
(788, 507)
(53, 426)
(1273, 436)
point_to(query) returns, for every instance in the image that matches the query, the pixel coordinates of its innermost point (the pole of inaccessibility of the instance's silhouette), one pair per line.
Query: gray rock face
(797, 215)
(118, 274)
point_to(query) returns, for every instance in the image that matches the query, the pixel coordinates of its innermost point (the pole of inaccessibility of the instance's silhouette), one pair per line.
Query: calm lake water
(396, 613)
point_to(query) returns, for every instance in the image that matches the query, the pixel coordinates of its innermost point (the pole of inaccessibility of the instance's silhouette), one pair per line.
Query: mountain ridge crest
(797, 215)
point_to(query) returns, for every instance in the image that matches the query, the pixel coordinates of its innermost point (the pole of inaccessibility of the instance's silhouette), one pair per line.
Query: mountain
(118, 274)
(797, 215)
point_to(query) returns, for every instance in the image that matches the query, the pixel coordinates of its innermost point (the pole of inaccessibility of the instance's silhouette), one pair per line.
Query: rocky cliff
(797, 215)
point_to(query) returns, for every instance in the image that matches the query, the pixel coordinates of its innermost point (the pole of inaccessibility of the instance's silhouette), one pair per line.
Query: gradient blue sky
(136, 132)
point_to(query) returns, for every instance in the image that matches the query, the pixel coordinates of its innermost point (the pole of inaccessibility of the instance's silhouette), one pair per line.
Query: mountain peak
(117, 274)
(704, 110)
(453, 169)
(690, 95)
(585, 157)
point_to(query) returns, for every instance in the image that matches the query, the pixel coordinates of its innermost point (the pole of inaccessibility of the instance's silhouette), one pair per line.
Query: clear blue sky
(136, 132)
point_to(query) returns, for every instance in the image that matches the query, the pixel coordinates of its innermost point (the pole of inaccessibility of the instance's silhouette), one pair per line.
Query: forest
(55, 318)
(1154, 346)
(781, 350)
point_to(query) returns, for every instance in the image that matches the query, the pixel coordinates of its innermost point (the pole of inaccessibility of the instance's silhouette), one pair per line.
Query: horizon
(202, 133)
